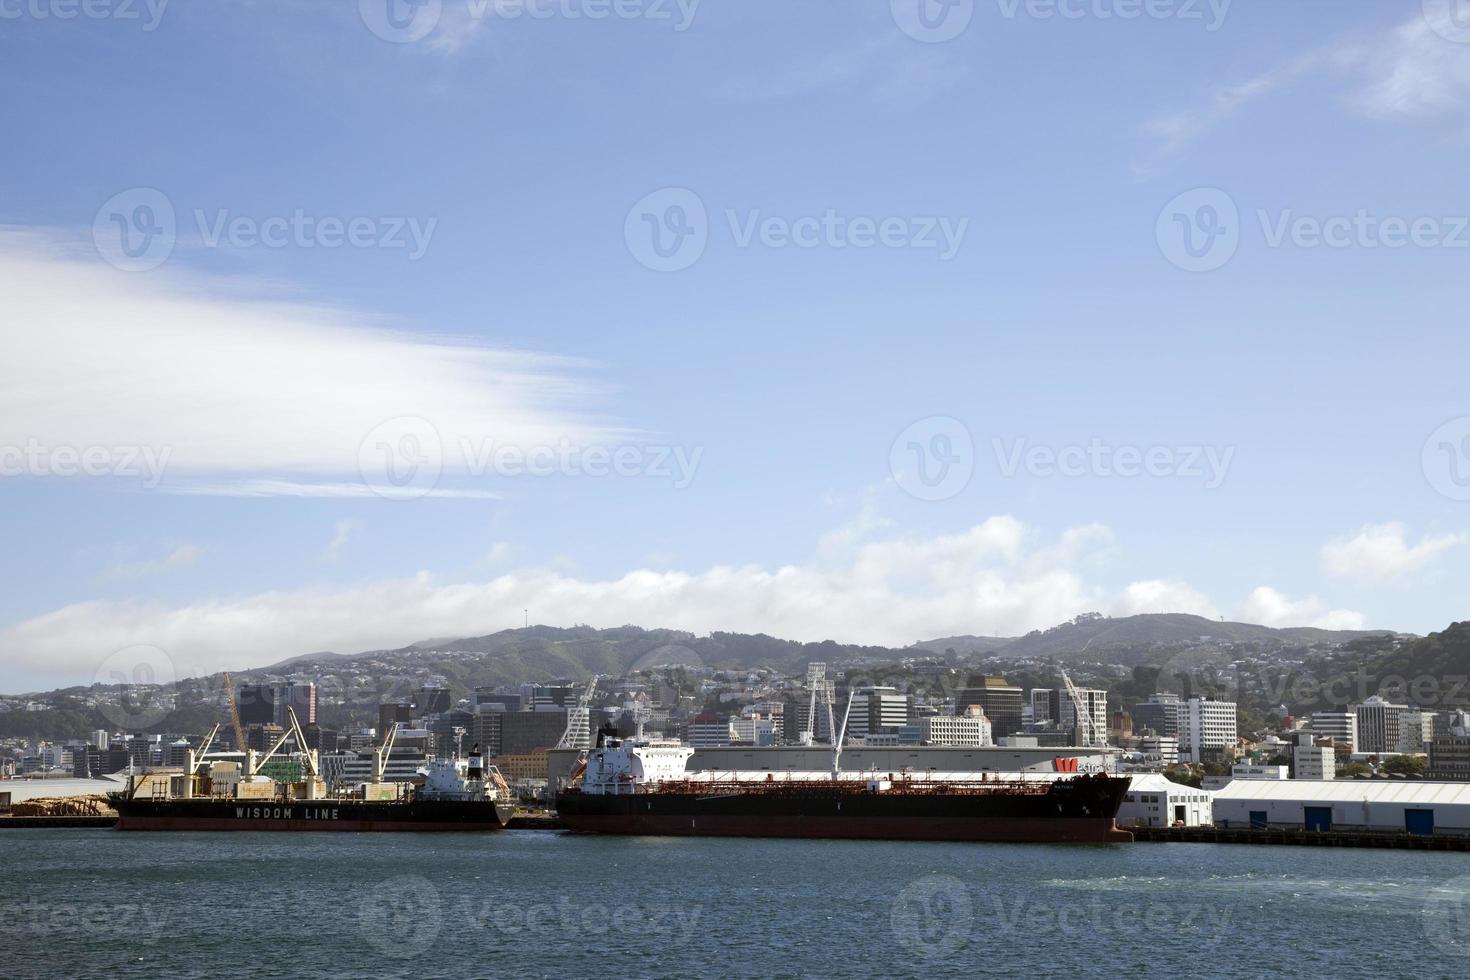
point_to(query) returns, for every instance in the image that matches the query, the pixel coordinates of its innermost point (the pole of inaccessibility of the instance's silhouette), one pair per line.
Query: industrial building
(1386, 805)
(1153, 801)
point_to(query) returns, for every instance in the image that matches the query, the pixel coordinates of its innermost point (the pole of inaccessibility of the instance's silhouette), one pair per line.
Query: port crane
(816, 680)
(579, 720)
(1092, 735)
(234, 713)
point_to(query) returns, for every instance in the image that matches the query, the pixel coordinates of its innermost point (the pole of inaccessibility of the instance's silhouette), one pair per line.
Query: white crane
(1092, 734)
(579, 720)
(816, 679)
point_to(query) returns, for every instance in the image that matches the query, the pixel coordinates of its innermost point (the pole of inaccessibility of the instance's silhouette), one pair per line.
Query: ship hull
(1071, 811)
(415, 816)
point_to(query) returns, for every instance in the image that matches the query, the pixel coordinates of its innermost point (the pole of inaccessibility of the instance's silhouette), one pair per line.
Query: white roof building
(1154, 801)
(1391, 805)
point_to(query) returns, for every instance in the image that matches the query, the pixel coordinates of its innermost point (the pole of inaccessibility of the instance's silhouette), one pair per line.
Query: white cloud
(238, 394)
(500, 552)
(182, 556)
(996, 577)
(1380, 552)
(1409, 72)
(1414, 71)
(1160, 596)
(346, 529)
(1269, 607)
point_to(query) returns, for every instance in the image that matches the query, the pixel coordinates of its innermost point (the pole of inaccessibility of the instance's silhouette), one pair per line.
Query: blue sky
(990, 204)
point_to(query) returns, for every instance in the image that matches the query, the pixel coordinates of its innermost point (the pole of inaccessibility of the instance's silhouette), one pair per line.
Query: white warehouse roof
(1408, 791)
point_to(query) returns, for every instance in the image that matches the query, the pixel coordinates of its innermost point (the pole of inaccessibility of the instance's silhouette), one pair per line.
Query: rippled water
(101, 903)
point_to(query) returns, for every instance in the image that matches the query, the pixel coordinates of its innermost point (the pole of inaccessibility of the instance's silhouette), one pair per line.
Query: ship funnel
(475, 767)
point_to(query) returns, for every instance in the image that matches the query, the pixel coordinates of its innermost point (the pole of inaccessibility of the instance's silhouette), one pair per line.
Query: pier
(1299, 837)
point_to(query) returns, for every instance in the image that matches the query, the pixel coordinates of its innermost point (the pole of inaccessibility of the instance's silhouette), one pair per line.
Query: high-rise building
(1449, 753)
(1340, 726)
(1206, 727)
(875, 710)
(256, 703)
(709, 731)
(553, 696)
(394, 712)
(300, 697)
(1000, 701)
(430, 700)
(1054, 708)
(972, 729)
(1416, 728)
(529, 731)
(1378, 724)
(1159, 714)
(507, 702)
(1312, 761)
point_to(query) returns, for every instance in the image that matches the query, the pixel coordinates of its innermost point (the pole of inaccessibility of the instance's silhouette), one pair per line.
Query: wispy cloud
(345, 531)
(288, 488)
(1409, 72)
(182, 556)
(892, 67)
(249, 396)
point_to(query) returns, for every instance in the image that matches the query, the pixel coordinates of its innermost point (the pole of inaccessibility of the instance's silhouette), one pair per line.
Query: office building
(1340, 726)
(1159, 714)
(1206, 729)
(1001, 703)
(1378, 724)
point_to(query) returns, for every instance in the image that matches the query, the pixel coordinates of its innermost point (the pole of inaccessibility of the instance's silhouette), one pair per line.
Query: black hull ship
(211, 794)
(321, 814)
(640, 788)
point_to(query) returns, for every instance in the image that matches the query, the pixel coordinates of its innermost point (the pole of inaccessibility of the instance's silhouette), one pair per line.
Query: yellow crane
(234, 713)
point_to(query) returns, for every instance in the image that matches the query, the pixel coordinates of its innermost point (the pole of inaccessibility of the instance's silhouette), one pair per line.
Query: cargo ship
(640, 786)
(455, 795)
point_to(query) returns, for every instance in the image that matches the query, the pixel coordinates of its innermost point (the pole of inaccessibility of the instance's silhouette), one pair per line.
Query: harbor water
(527, 903)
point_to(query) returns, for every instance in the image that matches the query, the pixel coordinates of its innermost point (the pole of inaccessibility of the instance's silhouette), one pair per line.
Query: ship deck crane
(380, 756)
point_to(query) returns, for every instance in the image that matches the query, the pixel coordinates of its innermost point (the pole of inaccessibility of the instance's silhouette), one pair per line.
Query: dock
(1300, 837)
(22, 823)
